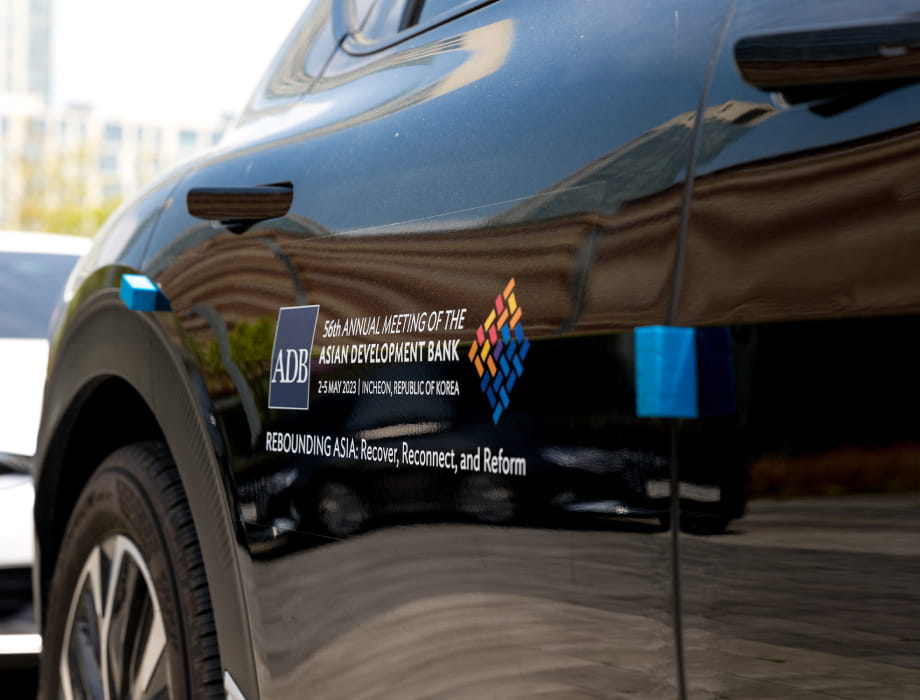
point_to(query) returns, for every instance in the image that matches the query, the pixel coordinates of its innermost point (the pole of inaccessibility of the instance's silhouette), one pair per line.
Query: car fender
(170, 389)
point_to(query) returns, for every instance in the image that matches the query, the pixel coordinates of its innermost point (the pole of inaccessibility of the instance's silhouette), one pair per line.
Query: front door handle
(824, 63)
(238, 208)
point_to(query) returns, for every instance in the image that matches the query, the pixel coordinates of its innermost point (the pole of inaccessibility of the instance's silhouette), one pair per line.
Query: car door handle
(238, 208)
(822, 63)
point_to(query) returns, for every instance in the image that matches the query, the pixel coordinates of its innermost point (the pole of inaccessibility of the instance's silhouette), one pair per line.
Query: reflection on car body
(395, 400)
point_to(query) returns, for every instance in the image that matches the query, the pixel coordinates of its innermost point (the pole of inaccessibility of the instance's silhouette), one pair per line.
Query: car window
(386, 18)
(359, 10)
(30, 284)
(424, 10)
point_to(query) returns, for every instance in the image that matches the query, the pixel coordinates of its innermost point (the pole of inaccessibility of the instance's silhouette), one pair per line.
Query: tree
(56, 194)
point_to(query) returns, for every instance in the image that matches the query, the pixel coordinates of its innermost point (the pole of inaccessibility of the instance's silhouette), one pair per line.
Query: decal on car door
(289, 386)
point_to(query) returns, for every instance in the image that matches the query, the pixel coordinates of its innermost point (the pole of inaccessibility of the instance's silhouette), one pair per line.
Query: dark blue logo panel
(290, 369)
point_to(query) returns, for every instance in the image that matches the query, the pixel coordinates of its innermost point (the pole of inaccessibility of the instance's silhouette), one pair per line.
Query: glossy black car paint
(548, 143)
(803, 238)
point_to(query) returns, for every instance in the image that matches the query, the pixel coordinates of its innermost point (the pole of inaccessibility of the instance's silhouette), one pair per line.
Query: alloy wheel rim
(114, 641)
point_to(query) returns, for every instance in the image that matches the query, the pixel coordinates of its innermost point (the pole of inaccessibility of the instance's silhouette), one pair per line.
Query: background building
(63, 168)
(25, 47)
(58, 164)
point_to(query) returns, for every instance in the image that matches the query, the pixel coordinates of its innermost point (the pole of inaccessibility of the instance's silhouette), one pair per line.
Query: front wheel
(129, 614)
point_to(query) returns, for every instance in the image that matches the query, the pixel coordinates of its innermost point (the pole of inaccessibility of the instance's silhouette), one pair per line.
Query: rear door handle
(821, 63)
(238, 208)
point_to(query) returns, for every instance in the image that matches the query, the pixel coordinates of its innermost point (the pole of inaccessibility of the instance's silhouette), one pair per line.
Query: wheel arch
(132, 387)
(107, 413)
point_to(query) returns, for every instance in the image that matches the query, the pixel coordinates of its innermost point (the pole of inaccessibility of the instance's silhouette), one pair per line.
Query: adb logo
(290, 369)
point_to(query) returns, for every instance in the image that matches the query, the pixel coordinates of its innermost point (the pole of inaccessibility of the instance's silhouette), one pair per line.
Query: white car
(33, 270)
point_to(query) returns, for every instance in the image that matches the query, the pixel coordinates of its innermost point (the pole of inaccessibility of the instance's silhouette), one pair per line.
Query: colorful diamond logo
(499, 349)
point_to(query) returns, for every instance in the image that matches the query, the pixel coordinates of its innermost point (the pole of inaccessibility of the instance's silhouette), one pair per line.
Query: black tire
(487, 499)
(704, 524)
(342, 510)
(133, 514)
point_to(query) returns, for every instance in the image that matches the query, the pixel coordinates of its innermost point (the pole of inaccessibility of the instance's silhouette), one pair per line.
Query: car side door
(802, 245)
(408, 282)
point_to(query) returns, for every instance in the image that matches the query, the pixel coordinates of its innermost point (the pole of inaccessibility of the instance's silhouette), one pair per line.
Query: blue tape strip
(666, 382)
(140, 294)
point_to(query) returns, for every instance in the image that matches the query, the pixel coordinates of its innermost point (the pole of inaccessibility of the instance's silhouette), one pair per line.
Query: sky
(172, 60)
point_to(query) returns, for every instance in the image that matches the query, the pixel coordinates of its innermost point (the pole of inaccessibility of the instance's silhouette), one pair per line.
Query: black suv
(507, 348)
